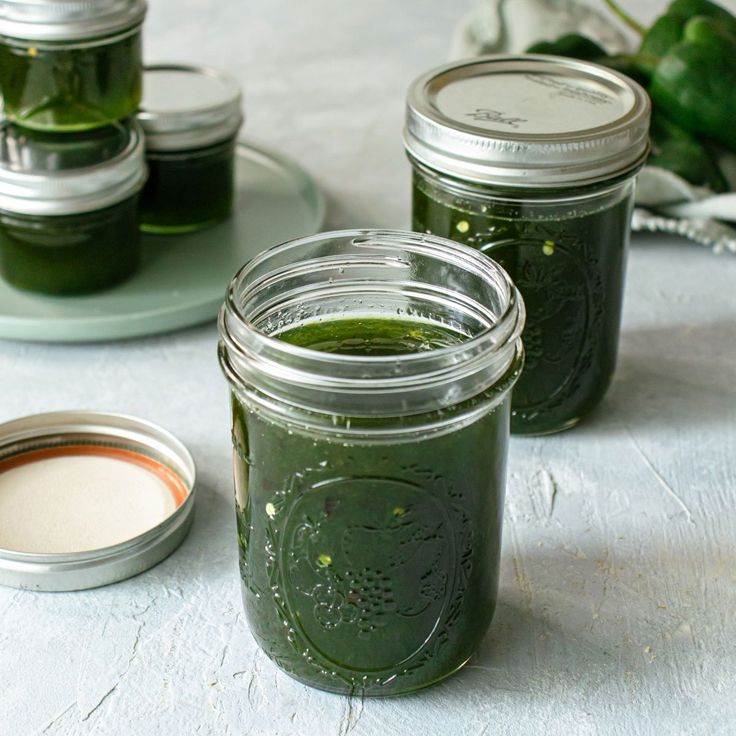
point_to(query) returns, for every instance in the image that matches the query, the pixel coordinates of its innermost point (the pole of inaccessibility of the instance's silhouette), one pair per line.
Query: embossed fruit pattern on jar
(567, 258)
(375, 570)
(370, 568)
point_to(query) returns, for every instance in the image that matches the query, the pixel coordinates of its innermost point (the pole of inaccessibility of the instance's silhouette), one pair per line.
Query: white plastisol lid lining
(88, 499)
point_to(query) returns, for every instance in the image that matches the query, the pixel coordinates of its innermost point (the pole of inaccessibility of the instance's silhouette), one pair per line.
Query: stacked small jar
(72, 153)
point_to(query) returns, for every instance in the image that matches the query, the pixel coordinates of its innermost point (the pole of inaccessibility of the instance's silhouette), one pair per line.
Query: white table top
(617, 598)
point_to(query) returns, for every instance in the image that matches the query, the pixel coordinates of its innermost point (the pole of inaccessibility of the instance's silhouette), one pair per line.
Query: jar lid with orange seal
(89, 498)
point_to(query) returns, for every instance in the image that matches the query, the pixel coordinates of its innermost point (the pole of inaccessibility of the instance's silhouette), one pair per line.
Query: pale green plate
(183, 278)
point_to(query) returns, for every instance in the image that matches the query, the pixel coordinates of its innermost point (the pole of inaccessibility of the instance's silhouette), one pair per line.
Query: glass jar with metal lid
(69, 65)
(531, 160)
(370, 375)
(69, 208)
(191, 117)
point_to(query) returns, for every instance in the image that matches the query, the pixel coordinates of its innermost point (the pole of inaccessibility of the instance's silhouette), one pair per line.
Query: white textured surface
(618, 584)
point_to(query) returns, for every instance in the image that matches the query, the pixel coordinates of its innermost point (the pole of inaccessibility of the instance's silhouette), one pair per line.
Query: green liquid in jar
(71, 87)
(371, 336)
(188, 191)
(70, 254)
(568, 263)
(370, 567)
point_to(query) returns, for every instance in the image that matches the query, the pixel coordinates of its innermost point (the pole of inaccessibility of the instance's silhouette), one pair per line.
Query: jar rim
(71, 20)
(532, 140)
(369, 385)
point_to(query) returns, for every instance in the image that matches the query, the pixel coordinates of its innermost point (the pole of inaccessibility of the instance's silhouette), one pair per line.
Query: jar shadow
(669, 377)
(593, 629)
(209, 553)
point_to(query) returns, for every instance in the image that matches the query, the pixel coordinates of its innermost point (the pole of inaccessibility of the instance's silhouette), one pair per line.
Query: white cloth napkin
(664, 201)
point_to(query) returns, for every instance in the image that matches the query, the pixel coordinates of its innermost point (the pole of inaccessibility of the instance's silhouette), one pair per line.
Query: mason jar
(69, 208)
(191, 117)
(71, 65)
(532, 160)
(370, 375)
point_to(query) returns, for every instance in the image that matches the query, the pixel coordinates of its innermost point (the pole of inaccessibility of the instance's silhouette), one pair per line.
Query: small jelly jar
(191, 117)
(72, 65)
(69, 208)
(532, 160)
(370, 375)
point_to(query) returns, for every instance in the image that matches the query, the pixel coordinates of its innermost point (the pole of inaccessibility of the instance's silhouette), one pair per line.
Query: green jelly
(567, 258)
(70, 254)
(188, 191)
(69, 208)
(71, 86)
(370, 568)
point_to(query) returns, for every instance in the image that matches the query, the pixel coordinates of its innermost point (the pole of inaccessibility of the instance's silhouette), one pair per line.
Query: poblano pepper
(577, 46)
(694, 84)
(676, 150)
(669, 28)
(573, 45)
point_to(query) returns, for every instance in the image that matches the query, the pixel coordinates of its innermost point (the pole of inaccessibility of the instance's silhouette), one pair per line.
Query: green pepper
(577, 46)
(694, 84)
(663, 34)
(676, 150)
(668, 30)
(573, 45)
(692, 8)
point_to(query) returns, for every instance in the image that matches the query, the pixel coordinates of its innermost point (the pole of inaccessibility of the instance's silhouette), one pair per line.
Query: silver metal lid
(58, 431)
(527, 121)
(187, 107)
(49, 174)
(67, 20)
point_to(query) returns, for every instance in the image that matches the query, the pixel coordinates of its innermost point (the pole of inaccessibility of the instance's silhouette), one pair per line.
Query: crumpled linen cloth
(664, 201)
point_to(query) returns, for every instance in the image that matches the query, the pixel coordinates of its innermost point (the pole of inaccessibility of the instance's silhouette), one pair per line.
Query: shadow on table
(209, 552)
(671, 376)
(605, 623)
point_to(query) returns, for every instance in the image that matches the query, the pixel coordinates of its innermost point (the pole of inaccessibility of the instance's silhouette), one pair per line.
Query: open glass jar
(370, 375)
(191, 117)
(531, 160)
(69, 208)
(71, 65)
